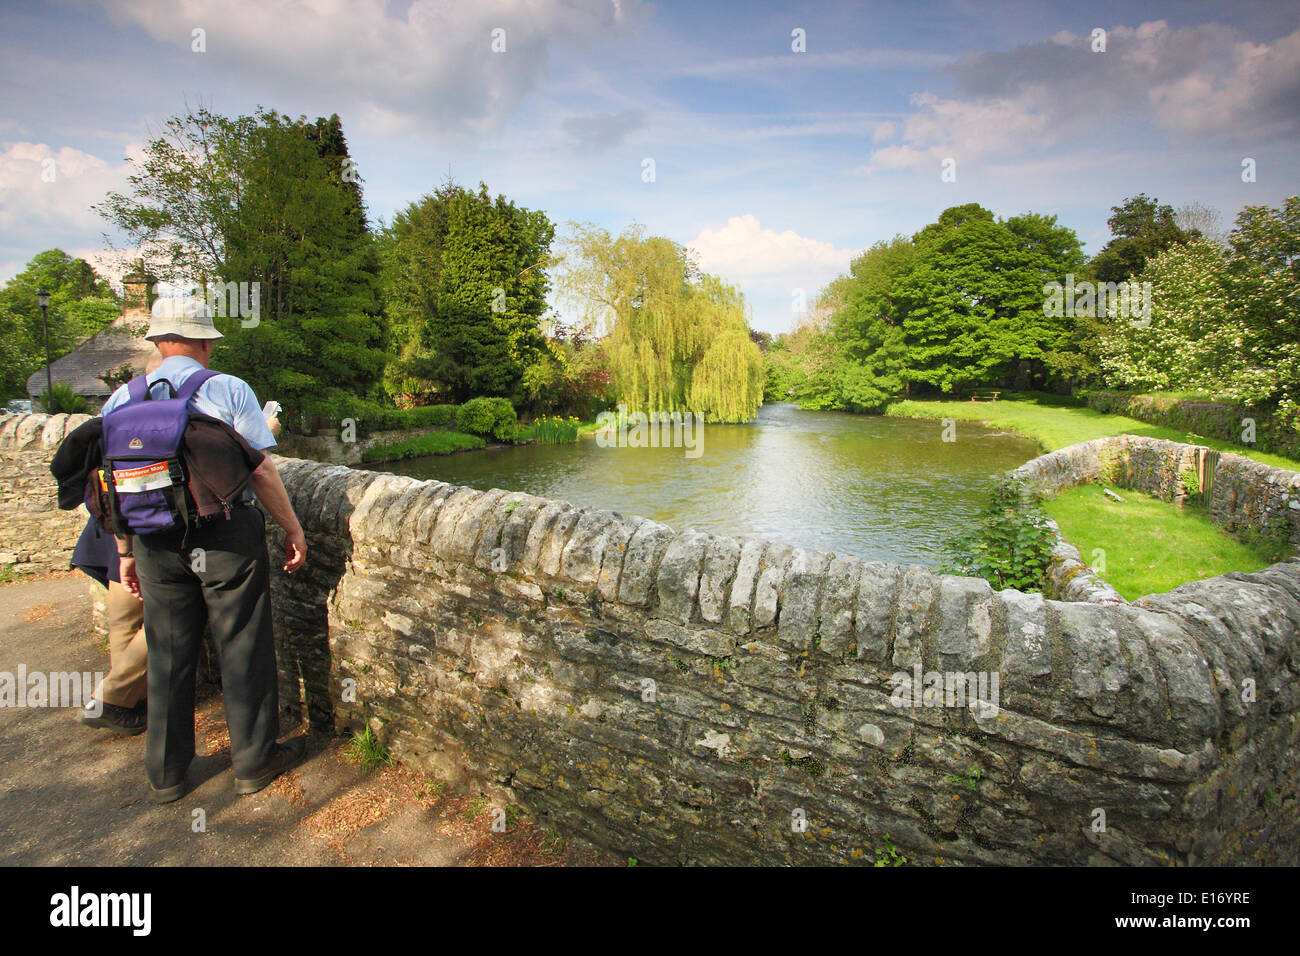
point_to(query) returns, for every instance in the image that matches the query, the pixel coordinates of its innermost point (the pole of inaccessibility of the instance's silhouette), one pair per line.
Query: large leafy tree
(332, 147)
(1264, 279)
(184, 194)
(1142, 228)
(727, 377)
(972, 300)
(952, 218)
(1048, 252)
(960, 302)
(411, 255)
(299, 232)
(274, 201)
(81, 304)
(867, 327)
(466, 281)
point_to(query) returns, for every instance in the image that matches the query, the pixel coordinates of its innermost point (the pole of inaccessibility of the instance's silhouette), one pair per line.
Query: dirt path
(70, 795)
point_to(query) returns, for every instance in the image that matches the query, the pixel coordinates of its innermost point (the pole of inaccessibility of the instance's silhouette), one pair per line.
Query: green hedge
(329, 411)
(479, 416)
(1211, 419)
(488, 416)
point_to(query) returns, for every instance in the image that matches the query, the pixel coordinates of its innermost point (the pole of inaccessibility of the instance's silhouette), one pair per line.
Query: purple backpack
(145, 475)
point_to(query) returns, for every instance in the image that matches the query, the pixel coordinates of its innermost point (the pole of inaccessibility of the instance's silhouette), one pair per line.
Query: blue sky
(775, 166)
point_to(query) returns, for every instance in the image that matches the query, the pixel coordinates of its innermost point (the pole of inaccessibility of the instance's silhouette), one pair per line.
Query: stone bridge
(683, 697)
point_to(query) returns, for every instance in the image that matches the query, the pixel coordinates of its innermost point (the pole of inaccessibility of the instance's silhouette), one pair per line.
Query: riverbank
(1056, 422)
(546, 430)
(444, 442)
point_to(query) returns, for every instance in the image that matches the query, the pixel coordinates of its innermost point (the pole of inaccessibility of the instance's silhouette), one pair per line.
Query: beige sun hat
(188, 318)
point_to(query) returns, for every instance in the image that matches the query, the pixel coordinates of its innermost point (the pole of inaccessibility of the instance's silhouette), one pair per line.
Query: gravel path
(70, 795)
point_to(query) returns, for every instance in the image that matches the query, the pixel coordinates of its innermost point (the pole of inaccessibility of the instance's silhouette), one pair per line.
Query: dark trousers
(219, 576)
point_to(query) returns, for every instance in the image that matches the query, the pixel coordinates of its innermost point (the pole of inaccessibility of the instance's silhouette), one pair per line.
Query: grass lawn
(1149, 546)
(1054, 421)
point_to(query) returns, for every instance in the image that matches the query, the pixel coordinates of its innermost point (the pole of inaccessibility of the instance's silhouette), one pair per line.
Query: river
(882, 488)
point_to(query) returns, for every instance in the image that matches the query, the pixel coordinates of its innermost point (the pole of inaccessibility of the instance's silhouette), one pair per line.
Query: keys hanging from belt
(226, 508)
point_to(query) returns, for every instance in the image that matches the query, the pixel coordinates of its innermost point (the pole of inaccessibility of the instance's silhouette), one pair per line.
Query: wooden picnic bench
(984, 395)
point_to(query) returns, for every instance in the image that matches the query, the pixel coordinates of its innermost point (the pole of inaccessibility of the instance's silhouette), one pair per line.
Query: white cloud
(744, 249)
(1195, 81)
(1256, 91)
(963, 130)
(46, 194)
(435, 69)
(777, 271)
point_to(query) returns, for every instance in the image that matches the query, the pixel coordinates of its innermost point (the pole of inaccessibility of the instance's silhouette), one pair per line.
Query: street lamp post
(43, 298)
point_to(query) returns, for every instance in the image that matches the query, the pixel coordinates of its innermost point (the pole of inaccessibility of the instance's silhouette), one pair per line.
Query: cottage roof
(119, 344)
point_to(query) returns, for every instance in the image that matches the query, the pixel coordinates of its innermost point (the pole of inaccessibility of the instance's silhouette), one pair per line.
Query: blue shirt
(223, 397)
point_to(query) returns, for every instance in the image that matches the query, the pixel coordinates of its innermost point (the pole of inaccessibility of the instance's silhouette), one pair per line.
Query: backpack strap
(192, 383)
(144, 392)
(137, 390)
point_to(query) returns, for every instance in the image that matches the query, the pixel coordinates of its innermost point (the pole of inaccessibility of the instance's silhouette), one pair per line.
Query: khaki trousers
(128, 676)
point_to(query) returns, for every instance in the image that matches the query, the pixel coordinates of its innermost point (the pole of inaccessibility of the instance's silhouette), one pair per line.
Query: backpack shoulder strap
(140, 389)
(137, 390)
(192, 383)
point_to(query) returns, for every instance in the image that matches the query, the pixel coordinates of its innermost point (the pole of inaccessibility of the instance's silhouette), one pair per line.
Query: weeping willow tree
(727, 384)
(678, 340)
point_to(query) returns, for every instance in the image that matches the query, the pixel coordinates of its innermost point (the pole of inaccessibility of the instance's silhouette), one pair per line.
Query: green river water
(887, 489)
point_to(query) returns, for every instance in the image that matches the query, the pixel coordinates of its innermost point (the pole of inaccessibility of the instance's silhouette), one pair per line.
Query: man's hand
(128, 575)
(295, 550)
(270, 491)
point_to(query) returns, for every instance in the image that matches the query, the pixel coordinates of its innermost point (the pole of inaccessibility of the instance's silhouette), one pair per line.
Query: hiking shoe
(283, 757)
(120, 720)
(168, 794)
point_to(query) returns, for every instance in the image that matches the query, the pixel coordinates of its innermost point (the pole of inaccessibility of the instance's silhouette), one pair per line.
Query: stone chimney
(136, 285)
